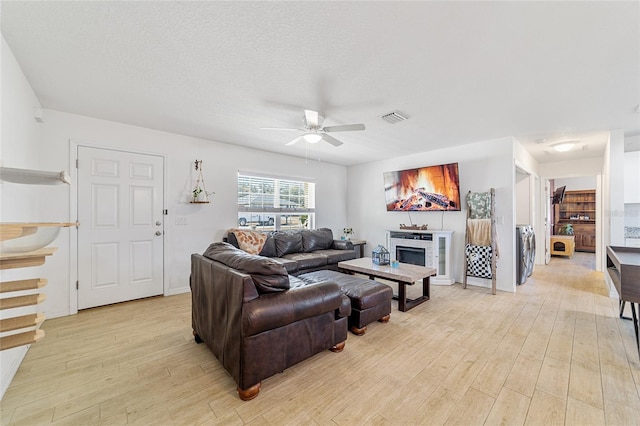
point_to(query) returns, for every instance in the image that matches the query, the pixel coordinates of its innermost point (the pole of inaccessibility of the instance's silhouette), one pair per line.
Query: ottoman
(370, 300)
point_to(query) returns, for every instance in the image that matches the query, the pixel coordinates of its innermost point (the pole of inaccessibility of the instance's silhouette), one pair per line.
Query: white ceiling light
(563, 146)
(312, 137)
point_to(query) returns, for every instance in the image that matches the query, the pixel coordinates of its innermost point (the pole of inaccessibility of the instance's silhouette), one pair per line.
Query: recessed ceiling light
(564, 146)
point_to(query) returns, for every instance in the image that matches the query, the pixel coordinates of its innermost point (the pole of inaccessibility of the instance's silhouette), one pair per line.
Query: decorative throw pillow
(250, 241)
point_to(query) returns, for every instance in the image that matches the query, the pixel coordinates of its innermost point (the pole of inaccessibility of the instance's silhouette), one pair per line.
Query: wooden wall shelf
(24, 321)
(20, 285)
(21, 339)
(23, 260)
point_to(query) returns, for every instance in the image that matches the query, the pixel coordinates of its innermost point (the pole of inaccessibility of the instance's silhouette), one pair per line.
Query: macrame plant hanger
(200, 187)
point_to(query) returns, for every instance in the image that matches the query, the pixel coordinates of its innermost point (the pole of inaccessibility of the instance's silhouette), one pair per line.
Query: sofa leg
(339, 347)
(196, 337)
(250, 393)
(385, 318)
(358, 331)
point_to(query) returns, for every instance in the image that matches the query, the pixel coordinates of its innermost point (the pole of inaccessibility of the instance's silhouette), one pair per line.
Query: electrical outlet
(181, 220)
(500, 220)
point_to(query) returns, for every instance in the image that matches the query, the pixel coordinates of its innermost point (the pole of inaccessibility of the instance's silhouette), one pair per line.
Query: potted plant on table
(566, 229)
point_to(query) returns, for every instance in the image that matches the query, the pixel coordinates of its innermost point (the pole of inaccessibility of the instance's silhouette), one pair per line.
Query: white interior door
(547, 221)
(120, 237)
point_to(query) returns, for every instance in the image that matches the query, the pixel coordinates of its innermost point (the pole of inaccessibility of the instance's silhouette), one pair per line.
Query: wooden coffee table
(405, 274)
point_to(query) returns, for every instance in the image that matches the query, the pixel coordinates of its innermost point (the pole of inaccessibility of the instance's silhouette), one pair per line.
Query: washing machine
(531, 261)
(525, 252)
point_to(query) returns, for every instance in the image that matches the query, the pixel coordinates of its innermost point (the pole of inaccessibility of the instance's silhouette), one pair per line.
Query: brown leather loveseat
(256, 319)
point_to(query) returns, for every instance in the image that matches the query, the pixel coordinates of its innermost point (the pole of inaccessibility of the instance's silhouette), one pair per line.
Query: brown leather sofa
(255, 321)
(304, 250)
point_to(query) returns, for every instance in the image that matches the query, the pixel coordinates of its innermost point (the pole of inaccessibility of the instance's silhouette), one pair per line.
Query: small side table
(562, 245)
(358, 246)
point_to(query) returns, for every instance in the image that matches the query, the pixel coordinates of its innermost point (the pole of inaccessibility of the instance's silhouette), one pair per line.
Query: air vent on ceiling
(394, 117)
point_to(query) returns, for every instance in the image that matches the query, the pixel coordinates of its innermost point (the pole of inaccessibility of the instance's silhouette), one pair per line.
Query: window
(270, 203)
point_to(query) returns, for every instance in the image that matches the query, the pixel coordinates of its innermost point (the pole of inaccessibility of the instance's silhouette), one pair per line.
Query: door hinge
(77, 285)
(76, 163)
(165, 212)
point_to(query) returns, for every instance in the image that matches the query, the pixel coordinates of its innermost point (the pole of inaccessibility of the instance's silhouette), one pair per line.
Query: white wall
(205, 223)
(632, 215)
(577, 183)
(481, 165)
(524, 208)
(632, 177)
(21, 136)
(571, 168)
(613, 199)
(615, 213)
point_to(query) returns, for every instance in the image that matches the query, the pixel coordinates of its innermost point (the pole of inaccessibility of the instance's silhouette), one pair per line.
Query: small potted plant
(197, 191)
(566, 229)
(348, 232)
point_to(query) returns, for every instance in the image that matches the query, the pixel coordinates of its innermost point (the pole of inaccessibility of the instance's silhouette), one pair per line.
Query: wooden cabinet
(579, 209)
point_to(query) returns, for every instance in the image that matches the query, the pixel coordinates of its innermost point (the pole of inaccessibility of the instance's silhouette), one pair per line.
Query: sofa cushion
(288, 242)
(335, 256)
(307, 260)
(289, 264)
(268, 276)
(269, 248)
(364, 293)
(250, 241)
(318, 239)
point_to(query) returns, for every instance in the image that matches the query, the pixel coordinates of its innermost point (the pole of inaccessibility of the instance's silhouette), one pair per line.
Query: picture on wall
(431, 188)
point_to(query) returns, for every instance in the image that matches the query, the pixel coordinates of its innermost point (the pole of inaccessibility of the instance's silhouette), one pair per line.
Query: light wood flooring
(554, 353)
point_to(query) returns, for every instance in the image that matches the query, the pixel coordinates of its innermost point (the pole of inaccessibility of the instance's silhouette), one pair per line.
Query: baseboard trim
(180, 290)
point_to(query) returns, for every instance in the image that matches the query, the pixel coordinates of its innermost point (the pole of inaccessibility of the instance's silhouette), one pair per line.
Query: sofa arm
(271, 311)
(342, 245)
(345, 308)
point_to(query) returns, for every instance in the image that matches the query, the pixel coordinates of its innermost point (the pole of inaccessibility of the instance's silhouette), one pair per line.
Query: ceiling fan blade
(333, 141)
(296, 140)
(312, 118)
(280, 128)
(343, 128)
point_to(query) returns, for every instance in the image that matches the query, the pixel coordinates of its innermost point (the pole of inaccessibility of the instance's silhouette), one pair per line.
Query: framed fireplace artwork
(430, 188)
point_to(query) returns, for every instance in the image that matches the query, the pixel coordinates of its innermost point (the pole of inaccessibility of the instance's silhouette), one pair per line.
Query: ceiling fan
(314, 132)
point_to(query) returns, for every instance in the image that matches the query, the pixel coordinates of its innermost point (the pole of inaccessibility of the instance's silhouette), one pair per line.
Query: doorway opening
(574, 220)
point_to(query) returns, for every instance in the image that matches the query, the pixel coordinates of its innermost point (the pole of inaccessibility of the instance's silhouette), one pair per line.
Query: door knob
(158, 233)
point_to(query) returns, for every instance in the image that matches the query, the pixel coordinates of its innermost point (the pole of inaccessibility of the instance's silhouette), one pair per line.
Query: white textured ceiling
(463, 72)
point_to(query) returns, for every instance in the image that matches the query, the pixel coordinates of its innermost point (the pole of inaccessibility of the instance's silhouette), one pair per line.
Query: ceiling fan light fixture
(312, 137)
(563, 146)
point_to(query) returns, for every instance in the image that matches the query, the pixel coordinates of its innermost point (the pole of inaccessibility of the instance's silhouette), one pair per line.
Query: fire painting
(432, 188)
